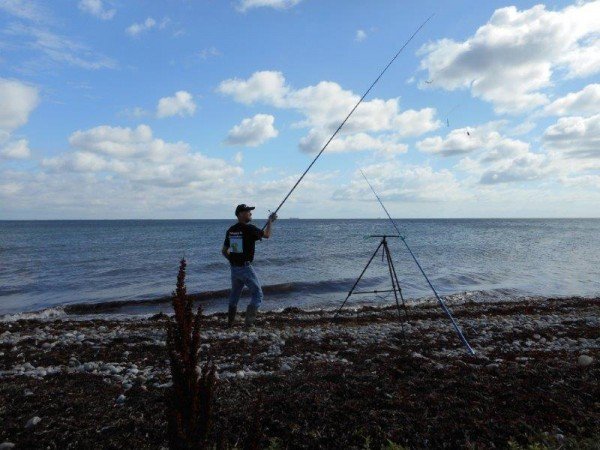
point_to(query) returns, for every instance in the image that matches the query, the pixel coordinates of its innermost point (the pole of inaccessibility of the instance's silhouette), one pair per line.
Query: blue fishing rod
(439, 299)
(346, 119)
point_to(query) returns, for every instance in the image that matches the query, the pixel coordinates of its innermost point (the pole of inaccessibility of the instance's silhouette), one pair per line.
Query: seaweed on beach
(190, 398)
(298, 382)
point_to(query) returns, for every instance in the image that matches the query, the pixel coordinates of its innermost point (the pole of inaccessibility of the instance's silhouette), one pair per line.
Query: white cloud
(119, 142)
(357, 142)
(238, 157)
(415, 122)
(584, 102)
(398, 182)
(18, 100)
(134, 113)
(493, 158)
(16, 150)
(262, 171)
(266, 86)
(245, 5)
(136, 156)
(181, 104)
(462, 141)
(512, 58)
(97, 9)
(136, 29)
(360, 36)
(527, 167)
(209, 52)
(55, 48)
(326, 104)
(253, 131)
(576, 137)
(24, 9)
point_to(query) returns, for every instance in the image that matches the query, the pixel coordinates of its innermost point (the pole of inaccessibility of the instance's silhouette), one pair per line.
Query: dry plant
(190, 399)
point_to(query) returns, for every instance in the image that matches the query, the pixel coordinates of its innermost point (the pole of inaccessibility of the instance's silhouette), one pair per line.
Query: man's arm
(225, 252)
(267, 233)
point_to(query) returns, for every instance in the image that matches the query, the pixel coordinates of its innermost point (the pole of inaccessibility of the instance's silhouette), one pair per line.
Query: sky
(181, 109)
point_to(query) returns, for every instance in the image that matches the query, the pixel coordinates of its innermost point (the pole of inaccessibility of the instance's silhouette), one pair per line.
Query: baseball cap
(243, 207)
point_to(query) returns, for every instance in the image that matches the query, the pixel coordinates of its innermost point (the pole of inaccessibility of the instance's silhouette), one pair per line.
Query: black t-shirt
(240, 239)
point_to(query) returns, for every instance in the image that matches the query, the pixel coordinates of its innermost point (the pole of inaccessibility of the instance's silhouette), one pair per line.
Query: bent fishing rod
(348, 116)
(439, 299)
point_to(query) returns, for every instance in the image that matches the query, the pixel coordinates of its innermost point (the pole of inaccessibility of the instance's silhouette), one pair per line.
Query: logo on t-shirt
(236, 242)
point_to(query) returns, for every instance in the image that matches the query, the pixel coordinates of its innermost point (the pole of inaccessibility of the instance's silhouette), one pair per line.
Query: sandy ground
(300, 381)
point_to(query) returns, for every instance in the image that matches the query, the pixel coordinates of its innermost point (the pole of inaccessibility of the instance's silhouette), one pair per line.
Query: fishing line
(439, 299)
(349, 114)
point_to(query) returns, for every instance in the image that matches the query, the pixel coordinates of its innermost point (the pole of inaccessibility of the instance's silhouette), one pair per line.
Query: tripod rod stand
(383, 244)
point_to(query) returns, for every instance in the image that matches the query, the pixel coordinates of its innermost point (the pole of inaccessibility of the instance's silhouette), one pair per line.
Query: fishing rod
(439, 299)
(348, 116)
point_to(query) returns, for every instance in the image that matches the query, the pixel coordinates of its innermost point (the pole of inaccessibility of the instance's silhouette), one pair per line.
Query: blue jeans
(244, 275)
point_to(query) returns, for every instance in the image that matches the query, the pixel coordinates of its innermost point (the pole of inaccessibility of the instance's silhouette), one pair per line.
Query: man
(238, 248)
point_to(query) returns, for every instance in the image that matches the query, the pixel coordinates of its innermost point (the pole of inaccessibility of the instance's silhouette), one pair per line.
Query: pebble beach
(364, 380)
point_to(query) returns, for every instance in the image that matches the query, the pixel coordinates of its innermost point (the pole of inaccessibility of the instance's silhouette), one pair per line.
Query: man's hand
(267, 232)
(225, 252)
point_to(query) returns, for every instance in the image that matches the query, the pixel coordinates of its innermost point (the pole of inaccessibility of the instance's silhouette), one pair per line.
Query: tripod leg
(395, 286)
(399, 289)
(356, 282)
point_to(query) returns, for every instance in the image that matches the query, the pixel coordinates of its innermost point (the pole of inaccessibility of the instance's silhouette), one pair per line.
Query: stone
(285, 367)
(121, 399)
(584, 361)
(6, 445)
(33, 422)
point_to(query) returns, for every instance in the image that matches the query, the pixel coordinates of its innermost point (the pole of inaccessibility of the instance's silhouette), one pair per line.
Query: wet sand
(300, 381)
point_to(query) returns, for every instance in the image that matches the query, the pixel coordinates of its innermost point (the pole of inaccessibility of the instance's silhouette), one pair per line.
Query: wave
(263, 261)
(43, 314)
(83, 310)
(312, 287)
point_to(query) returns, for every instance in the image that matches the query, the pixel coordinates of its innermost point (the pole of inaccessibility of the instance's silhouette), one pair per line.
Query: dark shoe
(231, 316)
(251, 316)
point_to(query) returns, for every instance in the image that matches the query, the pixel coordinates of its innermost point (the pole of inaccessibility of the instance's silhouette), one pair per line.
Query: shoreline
(122, 309)
(350, 382)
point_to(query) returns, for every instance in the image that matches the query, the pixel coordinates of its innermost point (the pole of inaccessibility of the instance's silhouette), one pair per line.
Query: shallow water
(48, 264)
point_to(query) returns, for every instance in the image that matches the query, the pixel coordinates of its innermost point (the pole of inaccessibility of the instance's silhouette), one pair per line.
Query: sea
(129, 267)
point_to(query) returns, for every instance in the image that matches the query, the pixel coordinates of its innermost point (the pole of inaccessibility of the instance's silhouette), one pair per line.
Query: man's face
(245, 216)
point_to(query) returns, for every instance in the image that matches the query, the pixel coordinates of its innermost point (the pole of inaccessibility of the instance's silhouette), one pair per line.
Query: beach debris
(584, 361)
(33, 422)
